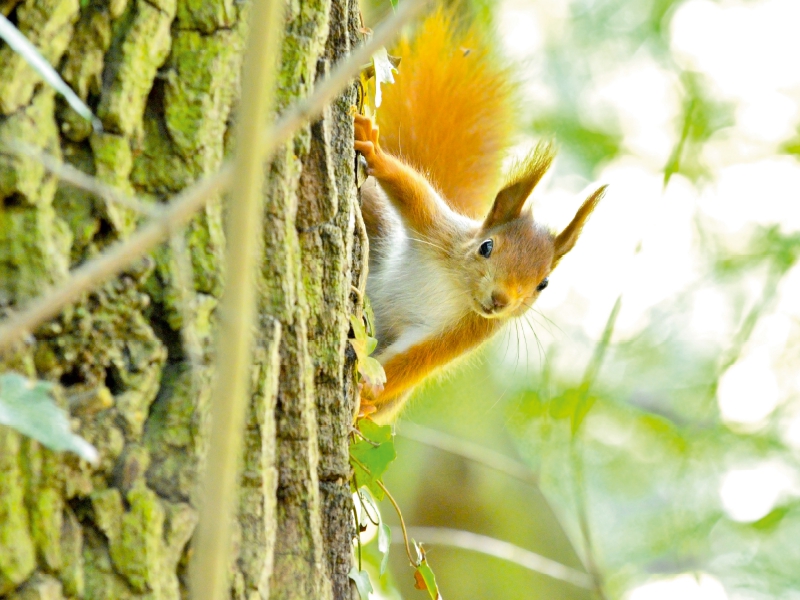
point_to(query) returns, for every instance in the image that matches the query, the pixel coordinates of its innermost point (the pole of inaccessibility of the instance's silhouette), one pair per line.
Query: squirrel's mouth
(489, 312)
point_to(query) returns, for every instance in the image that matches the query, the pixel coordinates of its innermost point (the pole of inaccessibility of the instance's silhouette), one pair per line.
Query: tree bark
(133, 359)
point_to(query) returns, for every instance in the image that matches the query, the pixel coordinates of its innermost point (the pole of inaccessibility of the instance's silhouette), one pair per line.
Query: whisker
(545, 325)
(553, 323)
(429, 243)
(527, 354)
(538, 341)
(508, 341)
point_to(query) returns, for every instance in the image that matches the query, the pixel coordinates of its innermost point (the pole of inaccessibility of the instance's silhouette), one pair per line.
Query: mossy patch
(143, 48)
(17, 548)
(175, 434)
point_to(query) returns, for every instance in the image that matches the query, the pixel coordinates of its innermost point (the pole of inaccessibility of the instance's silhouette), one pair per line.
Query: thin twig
(474, 452)
(186, 304)
(118, 256)
(77, 178)
(581, 500)
(230, 392)
(466, 540)
(182, 208)
(402, 522)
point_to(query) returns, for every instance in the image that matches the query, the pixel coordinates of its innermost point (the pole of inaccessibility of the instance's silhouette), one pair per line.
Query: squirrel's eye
(543, 284)
(485, 249)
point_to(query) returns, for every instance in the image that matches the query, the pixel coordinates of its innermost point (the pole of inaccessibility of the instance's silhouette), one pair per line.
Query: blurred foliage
(702, 116)
(630, 452)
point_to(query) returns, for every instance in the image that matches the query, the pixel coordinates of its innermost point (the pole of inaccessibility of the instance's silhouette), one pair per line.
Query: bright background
(680, 452)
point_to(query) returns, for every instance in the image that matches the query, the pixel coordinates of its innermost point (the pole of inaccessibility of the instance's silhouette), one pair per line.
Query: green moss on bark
(143, 48)
(17, 548)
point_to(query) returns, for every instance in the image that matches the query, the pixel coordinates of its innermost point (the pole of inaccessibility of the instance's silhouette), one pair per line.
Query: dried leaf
(424, 579)
(383, 72)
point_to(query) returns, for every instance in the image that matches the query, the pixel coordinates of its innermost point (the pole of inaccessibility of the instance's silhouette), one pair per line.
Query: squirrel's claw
(366, 141)
(366, 408)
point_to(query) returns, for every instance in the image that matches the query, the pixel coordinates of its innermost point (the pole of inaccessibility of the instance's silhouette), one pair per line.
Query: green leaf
(426, 580)
(363, 344)
(371, 371)
(363, 583)
(384, 543)
(380, 434)
(20, 44)
(27, 406)
(563, 406)
(582, 408)
(772, 519)
(371, 457)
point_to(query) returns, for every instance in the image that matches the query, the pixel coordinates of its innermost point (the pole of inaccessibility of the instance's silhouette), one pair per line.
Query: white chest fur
(413, 295)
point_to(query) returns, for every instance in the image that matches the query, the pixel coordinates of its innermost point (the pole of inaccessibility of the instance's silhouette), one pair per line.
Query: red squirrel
(441, 282)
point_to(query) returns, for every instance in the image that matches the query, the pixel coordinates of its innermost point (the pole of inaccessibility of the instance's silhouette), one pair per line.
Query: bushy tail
(451, 111)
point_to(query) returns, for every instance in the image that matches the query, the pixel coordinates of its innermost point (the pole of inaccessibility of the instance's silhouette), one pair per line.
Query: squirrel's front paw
(366, 142)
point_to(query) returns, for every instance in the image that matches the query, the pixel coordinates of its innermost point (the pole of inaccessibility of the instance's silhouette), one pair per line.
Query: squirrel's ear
(567, 238)
(523, 178)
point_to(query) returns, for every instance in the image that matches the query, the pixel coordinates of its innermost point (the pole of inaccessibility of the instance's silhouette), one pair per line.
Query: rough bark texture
(133, 359)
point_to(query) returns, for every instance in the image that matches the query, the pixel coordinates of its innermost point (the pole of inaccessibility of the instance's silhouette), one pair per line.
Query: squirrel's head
(510, 257)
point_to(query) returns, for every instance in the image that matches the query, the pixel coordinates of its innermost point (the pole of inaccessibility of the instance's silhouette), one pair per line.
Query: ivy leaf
(383, 72)
(384, 531)
(363, 344)
(371, 457)
(27, 406)
(373, 376)
(363, 583)
(384, 542)
(424, 579)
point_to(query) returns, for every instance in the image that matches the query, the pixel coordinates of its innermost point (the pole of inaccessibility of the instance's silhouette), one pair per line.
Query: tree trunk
(133, 359)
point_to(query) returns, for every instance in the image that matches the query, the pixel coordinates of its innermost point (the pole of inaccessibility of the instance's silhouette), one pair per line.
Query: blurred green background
(665, 459)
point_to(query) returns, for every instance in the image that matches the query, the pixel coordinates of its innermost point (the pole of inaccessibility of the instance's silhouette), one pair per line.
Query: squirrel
(441, 279)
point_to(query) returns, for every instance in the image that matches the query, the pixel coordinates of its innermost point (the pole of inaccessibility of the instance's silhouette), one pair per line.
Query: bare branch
(474, 452)
(230, 392)
(466, 540)
(115, 259)
(69, 174)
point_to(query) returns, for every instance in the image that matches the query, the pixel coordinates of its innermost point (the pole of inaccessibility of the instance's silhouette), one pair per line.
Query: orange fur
(408, 369)
(451, 111)
(410, 190)
(436, 296)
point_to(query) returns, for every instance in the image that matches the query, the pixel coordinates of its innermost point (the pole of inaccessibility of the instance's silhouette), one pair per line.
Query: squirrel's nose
(499, 301)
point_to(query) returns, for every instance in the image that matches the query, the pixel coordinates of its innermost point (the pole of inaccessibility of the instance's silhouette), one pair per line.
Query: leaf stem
(413, 562)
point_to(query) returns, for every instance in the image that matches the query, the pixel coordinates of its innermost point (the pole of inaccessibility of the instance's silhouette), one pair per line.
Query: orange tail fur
(451, 112)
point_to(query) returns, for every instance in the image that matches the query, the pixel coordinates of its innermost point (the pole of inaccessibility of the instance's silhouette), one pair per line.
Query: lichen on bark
(163, 76)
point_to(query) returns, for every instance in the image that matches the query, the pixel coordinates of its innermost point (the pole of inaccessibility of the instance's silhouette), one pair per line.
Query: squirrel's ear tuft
(523, 178)
(567, 238)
